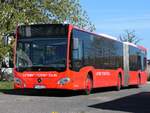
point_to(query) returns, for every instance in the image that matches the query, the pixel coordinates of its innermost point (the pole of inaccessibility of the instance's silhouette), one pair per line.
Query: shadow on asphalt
(53, 93)
(138, 103)
(34, 92)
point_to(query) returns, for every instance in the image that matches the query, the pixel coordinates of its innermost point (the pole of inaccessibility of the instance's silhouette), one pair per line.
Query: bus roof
(108, 36)
(131, 44)
(142, 48)
(137, 46)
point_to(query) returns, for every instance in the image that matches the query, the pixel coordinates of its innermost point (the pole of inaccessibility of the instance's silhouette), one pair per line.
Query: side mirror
(75, 43)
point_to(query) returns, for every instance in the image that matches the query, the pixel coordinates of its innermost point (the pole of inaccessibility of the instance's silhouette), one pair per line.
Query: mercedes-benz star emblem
(39, 80)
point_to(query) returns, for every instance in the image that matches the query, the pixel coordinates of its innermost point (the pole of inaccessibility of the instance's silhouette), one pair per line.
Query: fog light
(17, 81)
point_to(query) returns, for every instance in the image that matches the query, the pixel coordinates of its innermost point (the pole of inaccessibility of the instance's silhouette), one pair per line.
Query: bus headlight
(64, 81)
(17, 81)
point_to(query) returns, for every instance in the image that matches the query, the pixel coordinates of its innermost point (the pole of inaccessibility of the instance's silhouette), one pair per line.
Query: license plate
(39, 87)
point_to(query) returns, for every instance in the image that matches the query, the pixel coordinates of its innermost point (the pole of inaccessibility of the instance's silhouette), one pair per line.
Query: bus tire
(118, 87)
(88, 85)
(138, 82)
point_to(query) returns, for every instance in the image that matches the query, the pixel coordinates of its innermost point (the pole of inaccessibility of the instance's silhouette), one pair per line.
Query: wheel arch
(139, 77)
(90, 74)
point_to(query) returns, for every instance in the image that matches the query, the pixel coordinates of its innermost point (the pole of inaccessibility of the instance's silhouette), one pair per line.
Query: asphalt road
(104, 100)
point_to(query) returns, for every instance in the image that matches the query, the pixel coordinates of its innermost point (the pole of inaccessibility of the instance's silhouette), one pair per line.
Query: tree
(129, 36)
(5, 49)
(13, 12)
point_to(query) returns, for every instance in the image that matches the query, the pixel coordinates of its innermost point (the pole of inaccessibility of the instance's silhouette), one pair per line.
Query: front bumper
(45, 83)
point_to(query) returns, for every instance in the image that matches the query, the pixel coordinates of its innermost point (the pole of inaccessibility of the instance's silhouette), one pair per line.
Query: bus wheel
(138, 82)
(88, 85)
(118, 84)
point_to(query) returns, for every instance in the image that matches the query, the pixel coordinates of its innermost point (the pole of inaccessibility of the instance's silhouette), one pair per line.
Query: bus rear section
(134, 65)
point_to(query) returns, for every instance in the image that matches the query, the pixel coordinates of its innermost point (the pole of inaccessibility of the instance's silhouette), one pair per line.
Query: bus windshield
(41, 54)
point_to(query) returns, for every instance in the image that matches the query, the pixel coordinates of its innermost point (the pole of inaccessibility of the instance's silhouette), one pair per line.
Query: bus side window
(77, 53)
(139, 63)
(145, 63)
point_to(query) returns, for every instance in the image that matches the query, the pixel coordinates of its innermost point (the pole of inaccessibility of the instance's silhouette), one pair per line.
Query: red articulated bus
(61, 56)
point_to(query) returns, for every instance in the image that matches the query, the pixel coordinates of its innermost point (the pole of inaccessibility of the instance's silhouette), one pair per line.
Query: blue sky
(113, 17)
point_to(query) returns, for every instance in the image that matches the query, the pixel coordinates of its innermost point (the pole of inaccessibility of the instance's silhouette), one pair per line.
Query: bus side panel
(101, 77)
(133, 79)
(134, 76)
(143, 77)
(105, 78)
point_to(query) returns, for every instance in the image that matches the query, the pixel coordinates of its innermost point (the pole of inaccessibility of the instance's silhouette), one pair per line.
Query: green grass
(6, 85)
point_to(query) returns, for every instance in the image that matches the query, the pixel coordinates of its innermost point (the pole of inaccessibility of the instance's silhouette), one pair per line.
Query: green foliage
(6, 85)
(3, 49)
(14, 12)
(129, 36)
